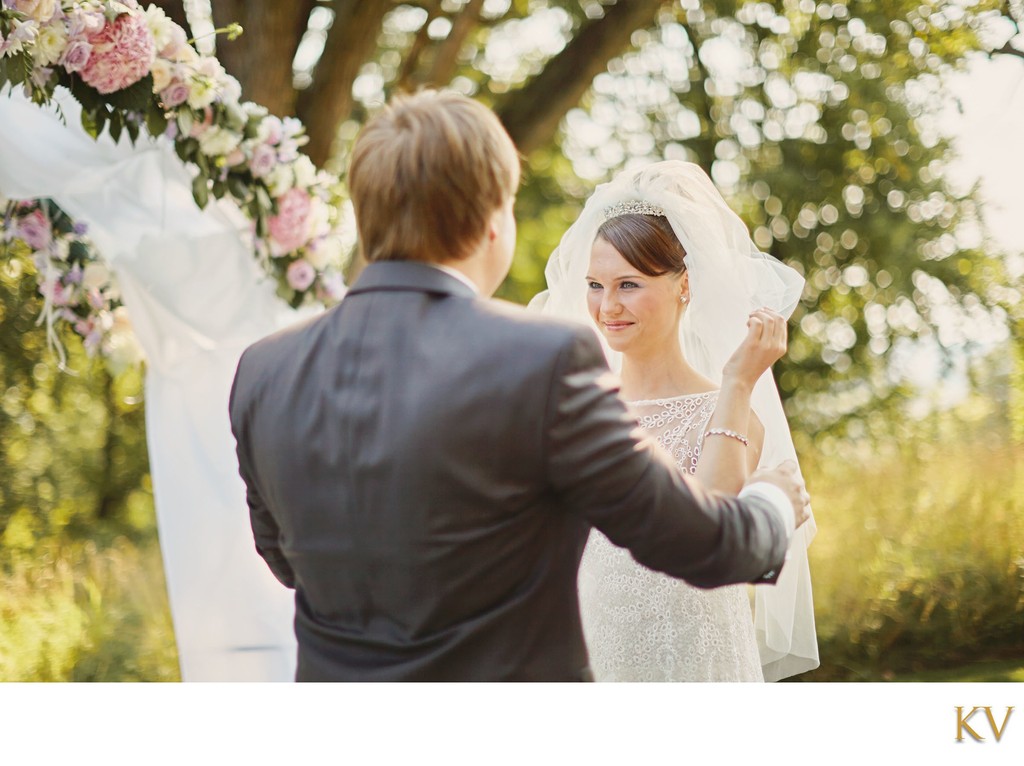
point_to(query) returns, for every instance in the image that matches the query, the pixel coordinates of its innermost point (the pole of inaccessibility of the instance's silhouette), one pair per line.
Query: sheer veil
(729, 277)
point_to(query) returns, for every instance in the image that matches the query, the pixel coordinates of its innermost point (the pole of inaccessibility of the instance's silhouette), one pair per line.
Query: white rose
(162, 71)
(44, 10)
(305, 171)
(325, 252)
(160, 26)
(50, 44)
(230, 89)
(319, 217)
(95, 276)
(279, 180)
(217, 141)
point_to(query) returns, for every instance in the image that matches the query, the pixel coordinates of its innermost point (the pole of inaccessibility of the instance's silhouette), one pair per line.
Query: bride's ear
(684, 288)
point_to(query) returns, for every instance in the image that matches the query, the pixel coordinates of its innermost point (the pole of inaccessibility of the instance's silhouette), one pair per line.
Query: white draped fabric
(196, 299)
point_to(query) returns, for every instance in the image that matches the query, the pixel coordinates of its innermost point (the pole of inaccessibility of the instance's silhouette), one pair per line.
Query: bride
(692, 316)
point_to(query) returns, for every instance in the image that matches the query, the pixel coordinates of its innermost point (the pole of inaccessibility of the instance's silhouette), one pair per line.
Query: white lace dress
(642, 625)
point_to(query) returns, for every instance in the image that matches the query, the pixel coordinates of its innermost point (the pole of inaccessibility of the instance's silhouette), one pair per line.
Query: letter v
(992, 722)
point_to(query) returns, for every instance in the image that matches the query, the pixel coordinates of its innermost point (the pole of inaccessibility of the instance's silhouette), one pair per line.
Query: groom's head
(427, 176)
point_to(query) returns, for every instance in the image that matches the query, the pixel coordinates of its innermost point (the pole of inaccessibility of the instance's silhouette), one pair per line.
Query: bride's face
(636, 313)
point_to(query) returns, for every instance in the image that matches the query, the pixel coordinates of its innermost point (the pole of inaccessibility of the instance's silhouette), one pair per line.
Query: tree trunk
(351, 41)
(532, 114)
(262, 57)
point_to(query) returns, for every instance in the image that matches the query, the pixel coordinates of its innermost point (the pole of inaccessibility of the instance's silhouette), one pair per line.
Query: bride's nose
(610, 305)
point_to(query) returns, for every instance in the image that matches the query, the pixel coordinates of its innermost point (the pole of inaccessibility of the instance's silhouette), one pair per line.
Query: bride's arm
(725, 460)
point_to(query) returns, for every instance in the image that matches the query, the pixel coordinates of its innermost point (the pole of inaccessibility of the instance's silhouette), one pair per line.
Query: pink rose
(122, 54)
(198, 128)
(263, 160)
(301, 275)
(35, 230)
(76, 56)
(174, 94)
(84, 23)
(289, 229)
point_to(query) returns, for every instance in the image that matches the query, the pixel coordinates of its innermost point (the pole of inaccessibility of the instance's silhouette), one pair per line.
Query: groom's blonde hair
(426, 174)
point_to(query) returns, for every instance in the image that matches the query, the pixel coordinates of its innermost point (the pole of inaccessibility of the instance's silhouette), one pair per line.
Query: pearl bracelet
(727, 432)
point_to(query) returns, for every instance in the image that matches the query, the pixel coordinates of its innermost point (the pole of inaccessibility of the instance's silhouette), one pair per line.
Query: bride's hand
(764, 345)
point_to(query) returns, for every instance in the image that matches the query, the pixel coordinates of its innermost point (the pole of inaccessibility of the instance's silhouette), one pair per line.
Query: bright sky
(990, 139)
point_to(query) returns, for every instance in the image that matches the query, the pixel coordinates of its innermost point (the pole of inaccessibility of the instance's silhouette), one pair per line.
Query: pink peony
(35, 230)
(76, 56)
(122, 53)
(301, 275)
(289, 229)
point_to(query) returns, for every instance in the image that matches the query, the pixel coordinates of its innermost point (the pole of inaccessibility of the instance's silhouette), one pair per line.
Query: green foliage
(72, 445)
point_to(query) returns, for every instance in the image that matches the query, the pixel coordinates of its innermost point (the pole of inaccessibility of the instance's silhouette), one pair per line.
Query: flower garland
(132, 68)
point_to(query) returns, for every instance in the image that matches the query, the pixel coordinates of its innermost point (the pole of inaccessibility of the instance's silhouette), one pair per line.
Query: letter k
(961, 724)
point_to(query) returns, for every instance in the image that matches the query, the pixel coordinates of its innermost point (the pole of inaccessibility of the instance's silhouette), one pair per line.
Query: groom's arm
(605, 467)
(265, 530)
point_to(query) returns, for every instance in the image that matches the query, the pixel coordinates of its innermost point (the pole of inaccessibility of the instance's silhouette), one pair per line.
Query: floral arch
(144, 188)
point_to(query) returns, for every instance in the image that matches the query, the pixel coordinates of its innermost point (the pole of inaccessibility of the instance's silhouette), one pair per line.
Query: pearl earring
(683, 299)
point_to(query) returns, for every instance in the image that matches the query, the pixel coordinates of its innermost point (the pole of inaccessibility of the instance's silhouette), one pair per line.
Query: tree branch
(406, 80)
(446, 58)
(352, 39)
(532, 113)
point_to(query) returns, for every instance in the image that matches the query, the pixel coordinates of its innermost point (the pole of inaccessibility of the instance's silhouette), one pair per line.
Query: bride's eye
(594, 285)
(629, 285)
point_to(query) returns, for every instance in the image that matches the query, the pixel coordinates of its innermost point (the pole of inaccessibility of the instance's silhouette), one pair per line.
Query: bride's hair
(647, 242)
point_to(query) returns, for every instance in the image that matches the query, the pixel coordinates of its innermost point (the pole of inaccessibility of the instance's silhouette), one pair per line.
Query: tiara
(632, 207)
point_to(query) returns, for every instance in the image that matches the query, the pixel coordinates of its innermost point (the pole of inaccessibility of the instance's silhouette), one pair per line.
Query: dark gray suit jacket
(423, 467)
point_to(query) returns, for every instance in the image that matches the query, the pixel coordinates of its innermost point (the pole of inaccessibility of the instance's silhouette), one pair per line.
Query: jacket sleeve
(604, 467)
(264, 528)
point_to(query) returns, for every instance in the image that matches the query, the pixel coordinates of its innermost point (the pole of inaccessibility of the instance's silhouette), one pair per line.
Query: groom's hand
(787, 477)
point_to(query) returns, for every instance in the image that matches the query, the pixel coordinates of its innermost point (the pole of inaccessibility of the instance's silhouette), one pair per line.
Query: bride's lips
(616, 326)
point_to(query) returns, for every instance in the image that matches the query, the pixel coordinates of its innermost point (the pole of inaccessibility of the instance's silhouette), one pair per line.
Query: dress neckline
(670, 399)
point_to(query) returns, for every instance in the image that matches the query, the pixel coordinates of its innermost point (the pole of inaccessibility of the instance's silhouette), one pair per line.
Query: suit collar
(408, 276)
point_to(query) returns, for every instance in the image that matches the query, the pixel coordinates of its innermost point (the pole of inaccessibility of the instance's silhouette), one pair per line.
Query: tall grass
(919, 558)
(75, 611)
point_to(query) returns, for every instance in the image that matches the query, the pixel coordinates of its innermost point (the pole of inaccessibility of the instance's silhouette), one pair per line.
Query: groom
(423, 465)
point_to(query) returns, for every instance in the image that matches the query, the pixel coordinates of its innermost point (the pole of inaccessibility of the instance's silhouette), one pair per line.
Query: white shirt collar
(458, 275)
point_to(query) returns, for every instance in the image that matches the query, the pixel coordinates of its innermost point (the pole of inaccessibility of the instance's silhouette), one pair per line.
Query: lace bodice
(642, 625)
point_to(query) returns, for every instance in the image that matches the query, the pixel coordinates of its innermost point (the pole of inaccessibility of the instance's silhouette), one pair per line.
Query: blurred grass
(86, 611)
(919, 559)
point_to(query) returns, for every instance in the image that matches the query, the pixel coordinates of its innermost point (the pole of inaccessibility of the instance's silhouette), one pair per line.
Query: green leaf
(156, 121)
(200, 191)
(116, 125)
(263, 197)
(239, 188)
(89, 123)
(135, 98)
(185, 121)
(219, 189)
(133, 130)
